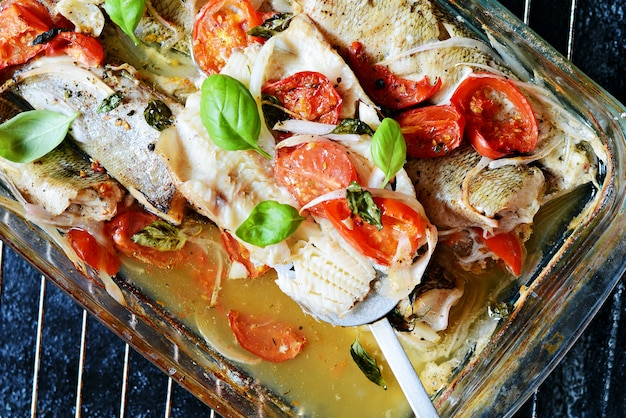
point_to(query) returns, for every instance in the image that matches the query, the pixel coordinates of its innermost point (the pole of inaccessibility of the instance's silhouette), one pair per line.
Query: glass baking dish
(561, 295)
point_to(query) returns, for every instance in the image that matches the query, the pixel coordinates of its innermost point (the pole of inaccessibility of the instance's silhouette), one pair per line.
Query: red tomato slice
(308, 94)
(500, 120)
(220, 27)
(239, 253)
(98, 256)
(384, 87)
(508, 248)
(83, 48)
(22, 21)
(267, 338)
(313, 169)
(431, 131)
(401, 224)
(125, 224)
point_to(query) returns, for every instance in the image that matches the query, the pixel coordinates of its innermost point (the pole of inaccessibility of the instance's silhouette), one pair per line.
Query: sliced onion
(296, 140)
(334, 195)
(298, 126)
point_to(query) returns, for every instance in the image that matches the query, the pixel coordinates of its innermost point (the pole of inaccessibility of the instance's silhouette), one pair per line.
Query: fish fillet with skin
(498, 199)
(63, 182)
(119, 139)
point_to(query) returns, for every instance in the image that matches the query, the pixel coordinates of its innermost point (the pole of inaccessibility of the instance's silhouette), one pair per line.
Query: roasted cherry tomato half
(507, 247)
(127, 223)
(309, 95)
(237, 252)
(313, 169)
(499, 119)
(100, 256)
(219, 28)
(431, 131)
(266, 337)
(384, 87)
(83, 48)
(401, 226)
(22, 21)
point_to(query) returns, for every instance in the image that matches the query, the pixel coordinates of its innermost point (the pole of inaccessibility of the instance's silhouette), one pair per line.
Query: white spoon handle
(403, 369)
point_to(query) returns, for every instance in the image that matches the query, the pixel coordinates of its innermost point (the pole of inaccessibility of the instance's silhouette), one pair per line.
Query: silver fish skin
(120, 139)
(63, 182)
(493, 199)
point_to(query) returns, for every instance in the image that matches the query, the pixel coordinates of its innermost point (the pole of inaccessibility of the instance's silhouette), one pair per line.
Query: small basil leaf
(388, 148)
(47, 36)
(270, 27)
(353, 126)
(269, 222)
(366, 363)
(160, 235)
(126, 14)
(111, 102)
(33, 134)
(158, 115)
(230, 115)
(361, 203)
(273, 110)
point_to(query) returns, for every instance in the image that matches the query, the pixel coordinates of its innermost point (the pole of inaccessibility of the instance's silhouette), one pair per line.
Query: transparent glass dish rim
(563, 295)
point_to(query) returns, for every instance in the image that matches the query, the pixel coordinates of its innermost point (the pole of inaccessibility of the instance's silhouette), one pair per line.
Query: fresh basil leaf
(270, 27)
(160, 235)
(230, 115)
(353, 126)
(361, 203)
(158, 115)
(366, 363)
(33, 134)
(270, 222)
(388, 148)
(110, 102)
(126, 14)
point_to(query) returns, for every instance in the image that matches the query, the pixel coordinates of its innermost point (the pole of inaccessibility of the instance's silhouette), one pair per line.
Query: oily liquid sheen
(323, 380)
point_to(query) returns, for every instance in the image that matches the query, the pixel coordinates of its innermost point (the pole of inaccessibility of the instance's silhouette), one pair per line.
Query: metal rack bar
(37, 361)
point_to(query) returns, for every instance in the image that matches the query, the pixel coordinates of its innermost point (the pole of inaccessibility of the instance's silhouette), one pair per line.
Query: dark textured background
(589, 382)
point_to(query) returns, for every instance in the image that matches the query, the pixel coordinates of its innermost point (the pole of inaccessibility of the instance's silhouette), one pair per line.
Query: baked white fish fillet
(315, 266)
(120, 139)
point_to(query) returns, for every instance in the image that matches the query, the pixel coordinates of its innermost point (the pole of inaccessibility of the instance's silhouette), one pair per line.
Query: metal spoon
(373, 311)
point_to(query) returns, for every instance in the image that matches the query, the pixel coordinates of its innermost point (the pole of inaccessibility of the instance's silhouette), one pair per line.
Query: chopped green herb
(499, 310)
(353, 126)
(111, 102)
(160, 235)
(273, 110)
(270, 27)
(158, 115)
(361, 203)
(366, 363)
(47, 36)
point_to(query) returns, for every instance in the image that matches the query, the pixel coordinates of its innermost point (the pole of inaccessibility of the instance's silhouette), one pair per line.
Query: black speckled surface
(589, 382)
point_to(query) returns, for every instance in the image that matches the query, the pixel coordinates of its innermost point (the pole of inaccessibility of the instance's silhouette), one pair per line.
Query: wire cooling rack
(57, 360)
